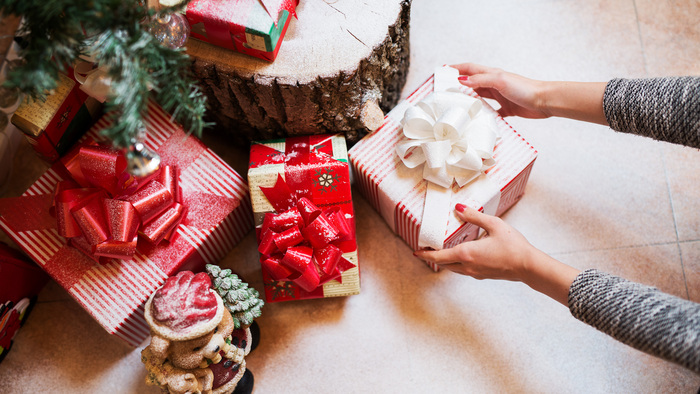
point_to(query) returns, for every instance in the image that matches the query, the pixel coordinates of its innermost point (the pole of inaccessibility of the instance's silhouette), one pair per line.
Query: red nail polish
(460, 207)
(463, 78)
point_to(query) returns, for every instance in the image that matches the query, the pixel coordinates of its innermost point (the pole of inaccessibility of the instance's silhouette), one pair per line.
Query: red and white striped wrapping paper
(374, 161)
(114, 293)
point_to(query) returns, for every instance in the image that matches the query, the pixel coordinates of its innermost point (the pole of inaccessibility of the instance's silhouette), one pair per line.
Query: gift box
(487, 181)
(253, 27)
(305, 223)
(19, 277)
(20, 282)
(54, 125)
(207, 211)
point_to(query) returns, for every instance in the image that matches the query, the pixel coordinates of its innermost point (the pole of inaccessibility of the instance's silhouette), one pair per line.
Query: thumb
(471, 215)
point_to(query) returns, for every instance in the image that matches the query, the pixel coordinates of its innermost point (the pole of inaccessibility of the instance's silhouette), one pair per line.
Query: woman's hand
(529, 98)
(517, 95)
(503, 253)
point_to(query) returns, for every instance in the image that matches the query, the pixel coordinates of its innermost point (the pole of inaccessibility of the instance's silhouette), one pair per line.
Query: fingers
(471, 68)
(477, 81)
(471, 215)
(444, 256)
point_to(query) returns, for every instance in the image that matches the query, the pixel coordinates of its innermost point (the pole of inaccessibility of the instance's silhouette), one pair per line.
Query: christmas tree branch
(59, 32)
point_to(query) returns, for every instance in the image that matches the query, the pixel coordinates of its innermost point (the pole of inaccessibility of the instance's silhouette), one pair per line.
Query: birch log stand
(342, 64)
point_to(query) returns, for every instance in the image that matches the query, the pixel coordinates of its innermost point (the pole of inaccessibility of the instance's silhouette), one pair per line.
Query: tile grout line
(641, 41)
(675, 225)
(621, 247)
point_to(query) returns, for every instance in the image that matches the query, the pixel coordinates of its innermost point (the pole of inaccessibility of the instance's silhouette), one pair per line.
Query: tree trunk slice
(342, 63)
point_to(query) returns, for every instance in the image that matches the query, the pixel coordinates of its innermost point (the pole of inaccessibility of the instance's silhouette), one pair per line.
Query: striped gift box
(115, 291)
(377, 168)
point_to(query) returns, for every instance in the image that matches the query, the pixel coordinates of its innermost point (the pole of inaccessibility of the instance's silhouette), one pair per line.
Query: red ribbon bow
(300, 242)
(102, 208)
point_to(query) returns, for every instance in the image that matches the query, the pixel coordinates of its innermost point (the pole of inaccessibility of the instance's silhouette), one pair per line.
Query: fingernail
(460, 207)
(463, 78)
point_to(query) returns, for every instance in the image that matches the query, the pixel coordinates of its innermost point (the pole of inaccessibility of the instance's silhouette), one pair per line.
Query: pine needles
(58, 32)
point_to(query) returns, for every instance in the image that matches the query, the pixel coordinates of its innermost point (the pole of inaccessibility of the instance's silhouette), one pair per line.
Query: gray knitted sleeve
(640, 316)
(666, 109)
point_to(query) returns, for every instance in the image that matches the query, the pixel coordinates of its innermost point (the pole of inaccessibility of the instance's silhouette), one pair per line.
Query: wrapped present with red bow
(253, 27)
(305, 223)
(110, 239)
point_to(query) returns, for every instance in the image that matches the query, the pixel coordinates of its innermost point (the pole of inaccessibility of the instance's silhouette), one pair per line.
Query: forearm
(574, 100)
(638, 315)
(666, 109)
(549, 276)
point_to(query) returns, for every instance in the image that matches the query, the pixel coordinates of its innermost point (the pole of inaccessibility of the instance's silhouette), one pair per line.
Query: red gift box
(253, 27)
(19, 278)
(305, 223)
(399, 193)
(54, 125)
(114, 290)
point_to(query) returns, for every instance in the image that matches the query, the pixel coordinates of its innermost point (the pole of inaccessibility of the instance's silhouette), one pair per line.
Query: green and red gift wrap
(253, 27)
(305, 222)
(111, 239)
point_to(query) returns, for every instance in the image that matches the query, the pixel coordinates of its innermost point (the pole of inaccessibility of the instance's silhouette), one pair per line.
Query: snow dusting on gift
(441, 146)
(114, 290)
(301, 196)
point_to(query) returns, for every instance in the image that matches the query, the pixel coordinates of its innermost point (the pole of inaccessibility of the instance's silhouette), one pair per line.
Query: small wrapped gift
(54, 125)
(302, 203)
(253, 27)
(111, 239)
(441, 146)
(20, 282)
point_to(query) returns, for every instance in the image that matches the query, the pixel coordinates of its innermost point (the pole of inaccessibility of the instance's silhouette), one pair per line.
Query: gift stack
(111, 239)
(253, 27)
(441, 146)
(305, 223)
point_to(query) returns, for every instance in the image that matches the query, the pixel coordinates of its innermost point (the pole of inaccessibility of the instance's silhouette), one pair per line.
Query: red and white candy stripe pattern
(373, 158)
(115, 292)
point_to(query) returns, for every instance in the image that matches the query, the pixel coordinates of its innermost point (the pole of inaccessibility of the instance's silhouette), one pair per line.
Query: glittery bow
(298, 243)
(103, 209)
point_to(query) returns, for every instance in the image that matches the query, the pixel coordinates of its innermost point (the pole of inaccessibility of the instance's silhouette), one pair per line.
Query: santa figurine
(197, 344)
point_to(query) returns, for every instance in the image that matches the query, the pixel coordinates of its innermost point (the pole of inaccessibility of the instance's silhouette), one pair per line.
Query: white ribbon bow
(453, 136)
(451, 133)
(96, 82)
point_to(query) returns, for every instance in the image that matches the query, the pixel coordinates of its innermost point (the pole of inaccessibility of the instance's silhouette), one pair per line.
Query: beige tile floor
(596, 198)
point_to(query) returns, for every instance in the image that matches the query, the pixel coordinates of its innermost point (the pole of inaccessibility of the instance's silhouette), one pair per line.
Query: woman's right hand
(517, 95)
(530, 98)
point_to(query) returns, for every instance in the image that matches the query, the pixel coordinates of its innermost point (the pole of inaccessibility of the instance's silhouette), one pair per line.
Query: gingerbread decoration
(197, 345)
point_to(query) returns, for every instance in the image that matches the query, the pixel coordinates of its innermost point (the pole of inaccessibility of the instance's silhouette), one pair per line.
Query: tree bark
(341, 64)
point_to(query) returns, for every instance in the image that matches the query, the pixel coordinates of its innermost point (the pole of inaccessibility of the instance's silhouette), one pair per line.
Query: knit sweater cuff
(665, 109)
(638, 315)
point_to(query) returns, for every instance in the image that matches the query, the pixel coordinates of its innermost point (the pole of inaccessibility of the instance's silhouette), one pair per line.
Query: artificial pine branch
(58, 32)
(242, 301)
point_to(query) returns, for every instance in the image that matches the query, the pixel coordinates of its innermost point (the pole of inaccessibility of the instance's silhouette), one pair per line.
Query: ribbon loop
(103, 209)
(453, 137)
(298, 242)
(95, 82)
